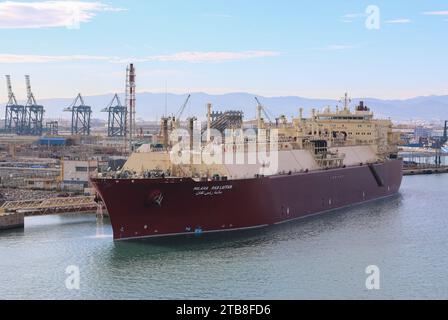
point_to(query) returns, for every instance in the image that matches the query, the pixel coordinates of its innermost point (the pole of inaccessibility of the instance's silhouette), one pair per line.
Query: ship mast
(209, 121)
(346, 101)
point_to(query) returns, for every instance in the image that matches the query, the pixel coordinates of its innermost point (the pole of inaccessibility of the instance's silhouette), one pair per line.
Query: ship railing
(146, 174)
(349, 143)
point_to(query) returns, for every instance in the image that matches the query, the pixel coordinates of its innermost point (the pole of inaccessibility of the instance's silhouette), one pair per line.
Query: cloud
(24, 58)
(161, 72)
(190, 57)
(353, 15)
(156, 72)
(398, 21)
(436, 13)
(204, 57)
(350, 17)
(49, 14)
(334, 47)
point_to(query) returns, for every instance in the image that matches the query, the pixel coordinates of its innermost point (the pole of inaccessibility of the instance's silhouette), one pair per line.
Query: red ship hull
(143, 208)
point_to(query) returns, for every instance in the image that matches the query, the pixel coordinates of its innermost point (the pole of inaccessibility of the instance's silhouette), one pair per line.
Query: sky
(317, 48)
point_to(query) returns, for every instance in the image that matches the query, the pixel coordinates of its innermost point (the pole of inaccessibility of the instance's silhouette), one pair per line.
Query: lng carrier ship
(333, 159)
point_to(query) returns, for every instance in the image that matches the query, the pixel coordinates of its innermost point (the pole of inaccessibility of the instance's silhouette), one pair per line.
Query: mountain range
(151, 106)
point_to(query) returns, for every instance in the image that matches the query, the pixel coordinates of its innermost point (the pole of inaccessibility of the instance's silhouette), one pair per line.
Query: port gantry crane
(33, 114)
(80, 117)
(14, 112)
(52, 128)
(117, 119)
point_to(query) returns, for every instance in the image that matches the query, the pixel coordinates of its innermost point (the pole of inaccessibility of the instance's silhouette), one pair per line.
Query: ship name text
(211, 190)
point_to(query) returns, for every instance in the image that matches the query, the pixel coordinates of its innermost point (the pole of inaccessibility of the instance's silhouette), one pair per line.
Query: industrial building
(75, 174)
(41, 184)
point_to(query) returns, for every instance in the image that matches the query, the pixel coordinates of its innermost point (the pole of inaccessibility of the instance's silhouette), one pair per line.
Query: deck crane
(177, 117)
(261, 109)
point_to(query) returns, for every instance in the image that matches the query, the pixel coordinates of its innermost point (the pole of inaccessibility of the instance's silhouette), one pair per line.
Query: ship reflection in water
(319, 257)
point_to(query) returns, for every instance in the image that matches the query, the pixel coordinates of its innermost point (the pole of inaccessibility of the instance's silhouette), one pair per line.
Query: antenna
(166, 99)
(346, 101)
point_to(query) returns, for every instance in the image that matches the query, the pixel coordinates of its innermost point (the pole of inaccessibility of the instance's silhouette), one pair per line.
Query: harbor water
(325, 256)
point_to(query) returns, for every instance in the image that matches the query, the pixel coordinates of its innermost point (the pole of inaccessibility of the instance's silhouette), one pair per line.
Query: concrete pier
(11, 220)
(428, 170)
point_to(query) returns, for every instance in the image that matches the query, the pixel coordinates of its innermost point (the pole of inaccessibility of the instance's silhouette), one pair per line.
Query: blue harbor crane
(33, 115)
(52, 128)
(15, 113)
(117, 119)
(80, 117)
